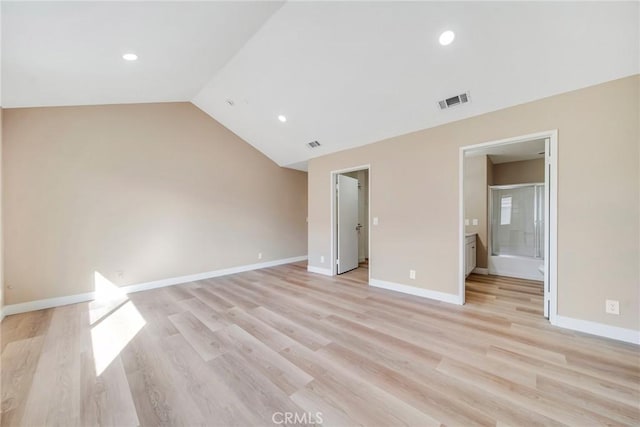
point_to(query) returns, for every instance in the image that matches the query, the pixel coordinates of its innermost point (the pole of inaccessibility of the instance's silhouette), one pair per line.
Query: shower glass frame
(538, 218)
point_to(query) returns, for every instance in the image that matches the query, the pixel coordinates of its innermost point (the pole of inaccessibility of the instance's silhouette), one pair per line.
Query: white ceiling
(70, 53)
(344, 73)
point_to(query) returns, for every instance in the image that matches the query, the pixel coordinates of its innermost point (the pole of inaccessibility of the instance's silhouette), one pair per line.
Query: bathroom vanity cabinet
(470, 253)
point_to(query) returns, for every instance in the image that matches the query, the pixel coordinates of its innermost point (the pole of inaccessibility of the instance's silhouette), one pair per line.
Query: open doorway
(350, 221)
(508, 223)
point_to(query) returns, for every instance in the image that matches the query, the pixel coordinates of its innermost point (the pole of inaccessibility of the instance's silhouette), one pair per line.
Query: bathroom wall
(522, 172)
(475, 204)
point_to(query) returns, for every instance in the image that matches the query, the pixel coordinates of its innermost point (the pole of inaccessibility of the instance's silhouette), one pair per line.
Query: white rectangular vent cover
(463, 98)
(313, 144)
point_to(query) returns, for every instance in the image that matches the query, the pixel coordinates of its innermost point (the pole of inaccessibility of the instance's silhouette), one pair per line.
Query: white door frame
(551, 241)
(334, 229)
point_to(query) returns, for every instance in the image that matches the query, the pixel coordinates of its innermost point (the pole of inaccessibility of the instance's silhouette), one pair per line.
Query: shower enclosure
(517, 230)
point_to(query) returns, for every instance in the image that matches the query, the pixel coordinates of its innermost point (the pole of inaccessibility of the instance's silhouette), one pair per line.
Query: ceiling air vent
(313, 144)
(463, 98)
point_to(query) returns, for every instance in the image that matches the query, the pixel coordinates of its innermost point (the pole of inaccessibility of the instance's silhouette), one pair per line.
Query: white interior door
(347, 207)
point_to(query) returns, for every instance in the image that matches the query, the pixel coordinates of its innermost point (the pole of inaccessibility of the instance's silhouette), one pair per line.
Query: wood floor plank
(19, 362)
(198, 335)
(286, 376)
(300, 334)
(530, 398)
(235, 350)
(217, 402)
(158, 389)
(24, 325)
(106, 398)
(371, 405)
(260, 396)
(58, 369)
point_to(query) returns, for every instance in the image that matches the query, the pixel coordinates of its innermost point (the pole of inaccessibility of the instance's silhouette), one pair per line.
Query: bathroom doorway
(508, 194)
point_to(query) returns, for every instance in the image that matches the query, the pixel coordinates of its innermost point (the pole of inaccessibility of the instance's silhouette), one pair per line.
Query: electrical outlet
(612, 306)
(259, 255)
(412, 274)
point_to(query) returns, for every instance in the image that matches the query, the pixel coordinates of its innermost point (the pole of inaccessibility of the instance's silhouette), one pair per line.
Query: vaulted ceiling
(342, 73)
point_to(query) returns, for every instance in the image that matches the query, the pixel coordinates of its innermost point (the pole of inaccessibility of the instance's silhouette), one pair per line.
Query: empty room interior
(338, 213)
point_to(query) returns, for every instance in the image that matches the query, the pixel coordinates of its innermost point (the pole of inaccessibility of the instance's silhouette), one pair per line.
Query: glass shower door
(517, 220)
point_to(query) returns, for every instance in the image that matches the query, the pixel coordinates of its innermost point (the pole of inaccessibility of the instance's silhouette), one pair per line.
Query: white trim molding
(420, 292)
(599, 329)
(41, 304)
(208, 275)
(480, 270)
(89, 296)
(319, 270)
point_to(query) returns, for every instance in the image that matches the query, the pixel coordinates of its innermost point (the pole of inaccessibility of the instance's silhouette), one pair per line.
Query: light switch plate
(466, 221)
(375, 220)
(475, 221)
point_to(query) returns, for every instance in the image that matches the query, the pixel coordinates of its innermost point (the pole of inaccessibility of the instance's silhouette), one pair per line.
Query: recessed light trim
(130, 57)
(447, 37)
(282, 118)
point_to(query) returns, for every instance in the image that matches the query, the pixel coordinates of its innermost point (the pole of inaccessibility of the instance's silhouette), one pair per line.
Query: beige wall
(475, 204)
(523, 172)
(414, 193)
(1, 225)
(152, 190)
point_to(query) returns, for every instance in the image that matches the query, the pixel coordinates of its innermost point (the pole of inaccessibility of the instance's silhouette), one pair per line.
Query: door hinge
(337, 262)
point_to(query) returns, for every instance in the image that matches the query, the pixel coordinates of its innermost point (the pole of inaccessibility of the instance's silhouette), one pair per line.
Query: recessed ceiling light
(447, 37)
(129, 56)
(282, 118)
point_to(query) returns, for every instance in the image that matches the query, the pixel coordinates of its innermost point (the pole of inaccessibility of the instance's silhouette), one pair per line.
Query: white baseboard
(41, 304)
(480, 270)
(89, 296)
(208, 275)
(599, 329)
(421, 292)
(318, 270)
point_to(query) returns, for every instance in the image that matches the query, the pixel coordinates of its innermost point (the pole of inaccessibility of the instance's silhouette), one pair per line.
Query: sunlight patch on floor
(115, 321)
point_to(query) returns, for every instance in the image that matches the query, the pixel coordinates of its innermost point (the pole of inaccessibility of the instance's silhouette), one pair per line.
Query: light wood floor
(237, 349)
